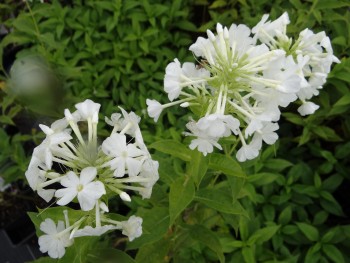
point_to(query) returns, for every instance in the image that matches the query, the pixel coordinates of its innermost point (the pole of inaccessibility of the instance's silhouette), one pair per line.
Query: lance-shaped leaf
(181, 195)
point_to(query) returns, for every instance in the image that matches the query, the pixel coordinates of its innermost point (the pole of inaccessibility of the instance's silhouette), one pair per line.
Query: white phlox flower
(204, 142)
(154, 109)
(248, 75)
(74, 166)
(132, 228)
(218, 125)
(266, 31)
(307, 108)
(55, 240)
(124, 156)
(85, 188)
(249, 151)
(88, 110)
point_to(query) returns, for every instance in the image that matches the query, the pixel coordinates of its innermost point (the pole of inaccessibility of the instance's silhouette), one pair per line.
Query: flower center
(124, 154)
(80, 187)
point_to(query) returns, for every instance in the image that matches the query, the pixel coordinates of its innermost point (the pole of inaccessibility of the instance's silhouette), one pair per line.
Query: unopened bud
(125, 197)
(211, 35)
(184, 105)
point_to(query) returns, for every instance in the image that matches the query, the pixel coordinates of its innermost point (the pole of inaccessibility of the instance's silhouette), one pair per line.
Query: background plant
(290, 205)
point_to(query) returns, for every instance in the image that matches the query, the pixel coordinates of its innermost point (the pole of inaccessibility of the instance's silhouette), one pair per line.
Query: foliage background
(289, 205)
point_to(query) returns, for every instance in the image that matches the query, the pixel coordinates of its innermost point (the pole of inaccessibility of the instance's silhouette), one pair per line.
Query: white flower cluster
(92, 172)
(242, 77)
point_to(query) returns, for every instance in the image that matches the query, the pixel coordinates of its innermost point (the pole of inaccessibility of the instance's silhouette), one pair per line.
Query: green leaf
(248, 255)
(330, 204)
(327, 133)
(225, 164)
(342, 151)
(111, 255)
(6, 120)
(285, 216)
(174, 148)
(277, 164)
(333, 253)
(153, 253)
(335, 231)
(262, 178)
(313, 255)
(181, 195)
(157, 216)
(320, 218)
(236, 185)
(208, 238)
(309, 231)
(262, 235)
(197, 167)
(289, 230)
(220, 200)
(294, 118)
(326, 4)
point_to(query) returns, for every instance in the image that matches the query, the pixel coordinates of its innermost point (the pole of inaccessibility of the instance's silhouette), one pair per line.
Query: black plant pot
(18, 242)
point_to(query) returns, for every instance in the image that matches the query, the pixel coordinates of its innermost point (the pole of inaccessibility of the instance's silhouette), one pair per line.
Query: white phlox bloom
(249, 151)
(71, 165)
(285, 71)
(307, 108)
(84, 188)
(265, 30)
(240, 39)
(218, 125)
(55, 240)
(88, 110)
(154, 109)
(176, 77)
(132, 228)
(114, 121)
(248, 75)
(124, 156)
(204, 143)
(51, 145)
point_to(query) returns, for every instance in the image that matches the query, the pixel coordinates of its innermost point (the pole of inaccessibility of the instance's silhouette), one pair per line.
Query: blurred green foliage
(289, 205)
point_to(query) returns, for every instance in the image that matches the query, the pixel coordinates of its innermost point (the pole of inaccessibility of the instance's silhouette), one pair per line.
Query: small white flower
(284, 70)
(88, 110)
(130, 122)
(240, 39)
(47, 149)
(249, 151)
(267, 133)
(204, 143)
(132, 228)
(218, 125)
(72, 117)
(265, 31)
(87, 190)
(154, 109)
(115, 121)
(191, 71)
(53, 242)
(307, 108)
(172, 79)
(149, 171)
(125, 156)
(204, 48)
